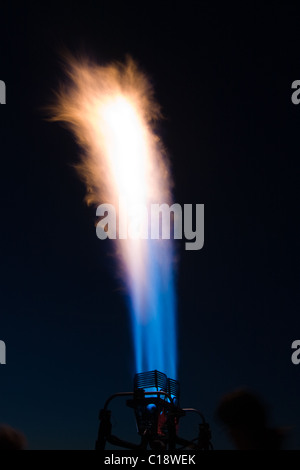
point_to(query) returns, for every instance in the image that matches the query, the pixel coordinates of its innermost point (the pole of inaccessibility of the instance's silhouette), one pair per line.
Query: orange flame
(112, 111)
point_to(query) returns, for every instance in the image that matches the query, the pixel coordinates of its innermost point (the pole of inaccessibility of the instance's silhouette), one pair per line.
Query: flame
(112, 112)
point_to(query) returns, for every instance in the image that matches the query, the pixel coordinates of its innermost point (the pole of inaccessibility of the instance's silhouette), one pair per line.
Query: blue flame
(153, 311)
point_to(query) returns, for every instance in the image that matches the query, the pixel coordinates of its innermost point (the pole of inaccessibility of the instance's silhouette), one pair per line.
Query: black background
(223, 78)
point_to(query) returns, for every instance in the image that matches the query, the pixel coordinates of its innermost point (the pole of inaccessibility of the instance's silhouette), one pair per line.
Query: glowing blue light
(151, 407)
(153, 311)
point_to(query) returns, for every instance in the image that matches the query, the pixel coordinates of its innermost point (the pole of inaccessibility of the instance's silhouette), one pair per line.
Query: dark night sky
(223, 79)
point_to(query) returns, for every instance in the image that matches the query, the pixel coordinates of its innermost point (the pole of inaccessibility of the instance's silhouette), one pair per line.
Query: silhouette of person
(11, 438)
(245, 417)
